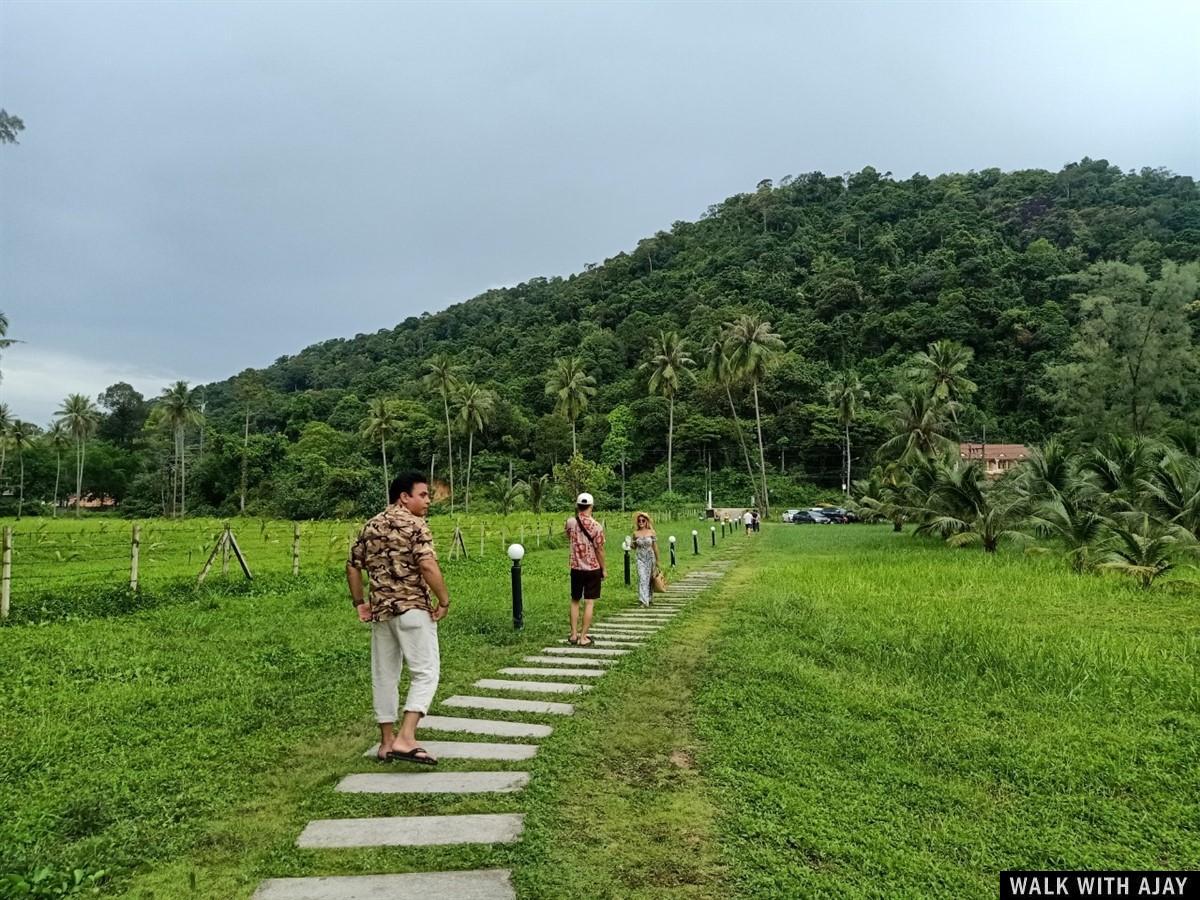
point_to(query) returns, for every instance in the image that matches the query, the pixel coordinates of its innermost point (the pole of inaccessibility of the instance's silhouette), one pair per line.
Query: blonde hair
(639, 515)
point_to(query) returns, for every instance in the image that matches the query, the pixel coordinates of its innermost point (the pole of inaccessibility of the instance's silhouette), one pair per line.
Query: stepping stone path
(621, 634)
(543, 707)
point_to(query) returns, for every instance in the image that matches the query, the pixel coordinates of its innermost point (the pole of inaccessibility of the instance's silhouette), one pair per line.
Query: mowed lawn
(880, 715)
(849, 713)
(181, 748)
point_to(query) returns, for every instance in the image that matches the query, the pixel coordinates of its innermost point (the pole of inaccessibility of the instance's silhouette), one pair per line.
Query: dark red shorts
(585, 584)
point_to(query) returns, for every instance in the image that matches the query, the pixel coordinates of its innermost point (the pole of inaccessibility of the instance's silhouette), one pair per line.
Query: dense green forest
(1064, 302)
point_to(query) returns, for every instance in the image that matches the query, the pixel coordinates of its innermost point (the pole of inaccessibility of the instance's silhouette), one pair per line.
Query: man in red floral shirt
(585, 537)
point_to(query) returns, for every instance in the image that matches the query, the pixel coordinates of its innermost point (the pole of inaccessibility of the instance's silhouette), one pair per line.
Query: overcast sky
(203, 187)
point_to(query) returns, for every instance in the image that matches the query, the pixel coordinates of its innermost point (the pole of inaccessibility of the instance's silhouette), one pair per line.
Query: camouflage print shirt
(391, 547)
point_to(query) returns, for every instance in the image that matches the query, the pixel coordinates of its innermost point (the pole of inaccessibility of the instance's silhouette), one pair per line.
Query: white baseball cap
(585, 499)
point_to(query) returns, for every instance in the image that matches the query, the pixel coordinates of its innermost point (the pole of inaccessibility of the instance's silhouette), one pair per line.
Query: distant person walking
(585, 537)
(645, 540)
(748, 521)
(396, 549)
(756, 521)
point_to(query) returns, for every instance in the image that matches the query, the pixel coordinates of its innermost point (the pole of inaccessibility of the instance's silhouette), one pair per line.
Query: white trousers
(410, 638)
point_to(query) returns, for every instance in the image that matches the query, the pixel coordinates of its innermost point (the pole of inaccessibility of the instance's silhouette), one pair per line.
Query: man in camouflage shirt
(396, 549)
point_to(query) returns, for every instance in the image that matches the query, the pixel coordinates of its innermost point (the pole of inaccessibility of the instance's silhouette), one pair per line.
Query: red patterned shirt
(583, 551)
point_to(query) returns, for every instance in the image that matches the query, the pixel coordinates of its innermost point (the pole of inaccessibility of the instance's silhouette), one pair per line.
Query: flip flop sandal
(581, 643)
(411, 756)
(572, 640)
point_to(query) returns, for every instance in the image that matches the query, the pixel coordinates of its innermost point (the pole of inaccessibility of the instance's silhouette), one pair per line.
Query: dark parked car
(837, 514)
(789, 515)
(810, 517)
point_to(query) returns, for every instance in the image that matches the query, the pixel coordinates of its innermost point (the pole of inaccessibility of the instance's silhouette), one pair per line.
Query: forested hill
(852, 272)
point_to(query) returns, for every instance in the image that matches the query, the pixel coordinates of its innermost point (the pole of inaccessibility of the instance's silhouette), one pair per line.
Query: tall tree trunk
(763, 501)
(21, 494)
(182, 473)
(847, 488)
(57, 473)
(3, 454)
(78, 476)
(737, 424)
(574, 448)
(470, 454)
(245, 460)
(622, 481)
(387, 499)
(449, 448)
(670, 440)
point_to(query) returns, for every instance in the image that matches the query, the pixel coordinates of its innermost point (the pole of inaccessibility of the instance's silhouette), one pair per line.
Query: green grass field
(850, 713)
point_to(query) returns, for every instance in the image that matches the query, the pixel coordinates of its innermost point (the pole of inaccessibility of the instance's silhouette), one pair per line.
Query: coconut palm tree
(181, 408)
(1118, 467)
(6, 421)
(1075, 524)
(507, 494)
(572, 388)
(80, 418)
(5, 340)
(379, 425)
(1172, 490)
(920, 427)
(885, 496)
(668, 367)
(719, 369)
(940, 371)
(962, 508)
(1142, 547)
(59, 438)
(476, 408)
(1049, 472)
(846, 394)
(441, 375)
(750, 343)
(537, 489)
(22, 435)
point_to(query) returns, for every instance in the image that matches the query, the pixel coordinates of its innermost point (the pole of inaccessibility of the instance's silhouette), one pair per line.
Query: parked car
(810, 517)
(838, 514)
(789, 515)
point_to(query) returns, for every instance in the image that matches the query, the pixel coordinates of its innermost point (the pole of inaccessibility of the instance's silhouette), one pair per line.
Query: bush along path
(581, 667)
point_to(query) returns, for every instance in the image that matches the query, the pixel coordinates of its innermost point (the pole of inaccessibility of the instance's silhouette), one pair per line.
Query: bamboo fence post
(6, 573)
(225, 552)
(296, 549)
(135, 552)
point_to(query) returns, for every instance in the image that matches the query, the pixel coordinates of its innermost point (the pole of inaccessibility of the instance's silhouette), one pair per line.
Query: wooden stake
(232, 543)
(217, 548)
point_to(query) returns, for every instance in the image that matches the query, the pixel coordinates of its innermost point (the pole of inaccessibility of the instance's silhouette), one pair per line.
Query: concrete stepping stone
(501, 703)
(566, 661)
(433, 783)
(597, 642)
(582, 651)
(625, 629)
(481, 884)
(618, 631)
(655, 610)
(495, 727)
(556, 673)
(532, 687)
(413, 831)
(472, 750)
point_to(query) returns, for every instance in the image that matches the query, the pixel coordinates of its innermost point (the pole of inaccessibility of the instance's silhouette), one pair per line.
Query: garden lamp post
(695, 542)
(516, 553)
(628, 542)
(671, 539)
